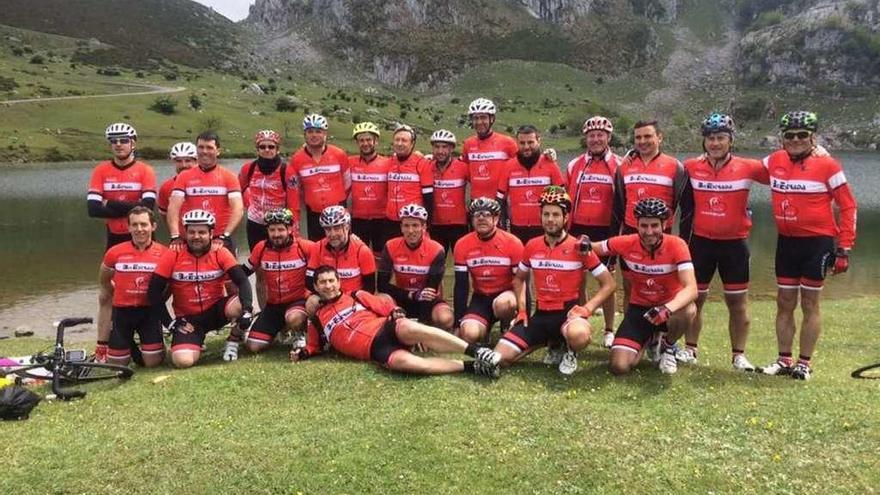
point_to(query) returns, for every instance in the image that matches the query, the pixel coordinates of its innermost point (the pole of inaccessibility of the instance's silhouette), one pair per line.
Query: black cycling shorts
(545, 327)
(272, 319)
(635, 331)
(447, 235)
(803, 261)
(480, 310)
(386, 343)
(371, 231)
(421, 310)
(729, 257)
(212, 319)
(127, 321)
(256, 232)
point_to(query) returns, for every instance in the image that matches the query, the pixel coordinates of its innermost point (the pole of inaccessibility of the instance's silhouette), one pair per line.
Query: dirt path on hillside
(151, 90)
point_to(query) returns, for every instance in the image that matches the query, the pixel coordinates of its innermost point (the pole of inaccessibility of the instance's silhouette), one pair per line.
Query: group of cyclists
(366, 277)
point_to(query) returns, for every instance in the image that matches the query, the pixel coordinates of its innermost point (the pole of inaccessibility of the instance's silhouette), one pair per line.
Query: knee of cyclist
(619, 367)
(180, 360)
(470, 333)
(504, 308)
(295, 321)
(444, 320)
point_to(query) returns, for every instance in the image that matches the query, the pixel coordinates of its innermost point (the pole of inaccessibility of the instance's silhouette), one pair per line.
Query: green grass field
(330, 425)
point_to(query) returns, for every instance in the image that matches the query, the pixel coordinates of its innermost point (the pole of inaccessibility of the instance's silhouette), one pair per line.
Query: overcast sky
(233, 9)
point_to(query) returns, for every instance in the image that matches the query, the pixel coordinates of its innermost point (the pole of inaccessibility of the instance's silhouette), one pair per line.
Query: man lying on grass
(366, 327)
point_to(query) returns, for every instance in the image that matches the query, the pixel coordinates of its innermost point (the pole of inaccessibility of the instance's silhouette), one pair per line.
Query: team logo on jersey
(788, 209)
(140, 283)
(206, 205)
(530, 196)
(595, 193)
(550, 281)
(641, 192)
(716, 205)
(483, 170)
(368, 191)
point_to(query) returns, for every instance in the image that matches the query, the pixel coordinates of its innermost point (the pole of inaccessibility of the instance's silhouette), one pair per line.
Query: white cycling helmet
(183, 149)
(199, 217)
(443, 136)
(120, 129)
(333, 216)
(315, 121)
(598, 123)
(482, 105)
(414, 211)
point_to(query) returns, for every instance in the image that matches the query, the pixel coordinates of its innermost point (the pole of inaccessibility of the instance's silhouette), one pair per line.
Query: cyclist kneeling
(282, 260)
(197, 276)
(664, 288)
(557, 263)
(124, 276)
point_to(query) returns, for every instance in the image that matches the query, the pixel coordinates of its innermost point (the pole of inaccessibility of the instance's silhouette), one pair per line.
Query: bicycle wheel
(870, 372)
(91, 372)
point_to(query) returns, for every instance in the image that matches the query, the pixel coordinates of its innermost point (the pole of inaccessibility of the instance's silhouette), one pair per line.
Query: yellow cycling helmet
(362, 127)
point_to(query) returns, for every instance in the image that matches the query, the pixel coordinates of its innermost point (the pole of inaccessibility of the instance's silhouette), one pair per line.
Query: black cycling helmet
(651, 208)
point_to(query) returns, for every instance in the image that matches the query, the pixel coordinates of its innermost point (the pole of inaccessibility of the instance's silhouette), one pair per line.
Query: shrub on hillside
(164, 105)
(38, 59)
(7, 84)
(210, 122)
(195, 102)
(285, 104)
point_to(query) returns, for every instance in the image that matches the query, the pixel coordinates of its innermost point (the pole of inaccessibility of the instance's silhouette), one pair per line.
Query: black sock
(468, 366)
(470, 350)
(102, 342)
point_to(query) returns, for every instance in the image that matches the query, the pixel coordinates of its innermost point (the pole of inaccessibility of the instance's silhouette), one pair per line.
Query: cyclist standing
(486, 151)
(185, 157)
(590, 183)
(209, 187)
(410, 179)
(449, 219)
(715, 221)
(369, 187)
(803, 189)
(121, 183)
(322, 170)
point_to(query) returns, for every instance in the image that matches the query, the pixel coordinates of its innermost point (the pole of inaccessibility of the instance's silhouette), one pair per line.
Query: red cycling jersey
(663, 178)
(522, 187)
(353, 262)
(413, 266)
(558, 272)
(284, 269)
(450, 207)
(654, 277)
(208, 190)
(485, 158)
(369, 186)
(325, 183)
(802, 193)
(197, 282)
(490, 262)
(408, 180)
(132, 271)
(349, 323)
(718, 204)
(591, 187)
(132, 183)
(268, 192)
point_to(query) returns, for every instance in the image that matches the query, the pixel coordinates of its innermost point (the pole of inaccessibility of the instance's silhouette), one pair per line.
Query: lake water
(50, 249)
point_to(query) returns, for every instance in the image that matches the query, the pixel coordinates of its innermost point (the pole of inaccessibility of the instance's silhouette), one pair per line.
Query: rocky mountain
(406, 42)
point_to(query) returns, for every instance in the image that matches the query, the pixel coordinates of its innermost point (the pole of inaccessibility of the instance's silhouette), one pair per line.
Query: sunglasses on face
(122, 140)
(798, 135)
(482, 214)
(264, 147)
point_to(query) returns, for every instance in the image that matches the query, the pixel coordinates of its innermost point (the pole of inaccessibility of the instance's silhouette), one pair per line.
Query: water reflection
(49, 245)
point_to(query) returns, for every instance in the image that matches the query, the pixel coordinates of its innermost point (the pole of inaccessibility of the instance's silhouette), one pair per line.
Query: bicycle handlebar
(58, 359)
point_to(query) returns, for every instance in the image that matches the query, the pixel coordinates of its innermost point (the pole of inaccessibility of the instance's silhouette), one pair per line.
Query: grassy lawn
(330, 425)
